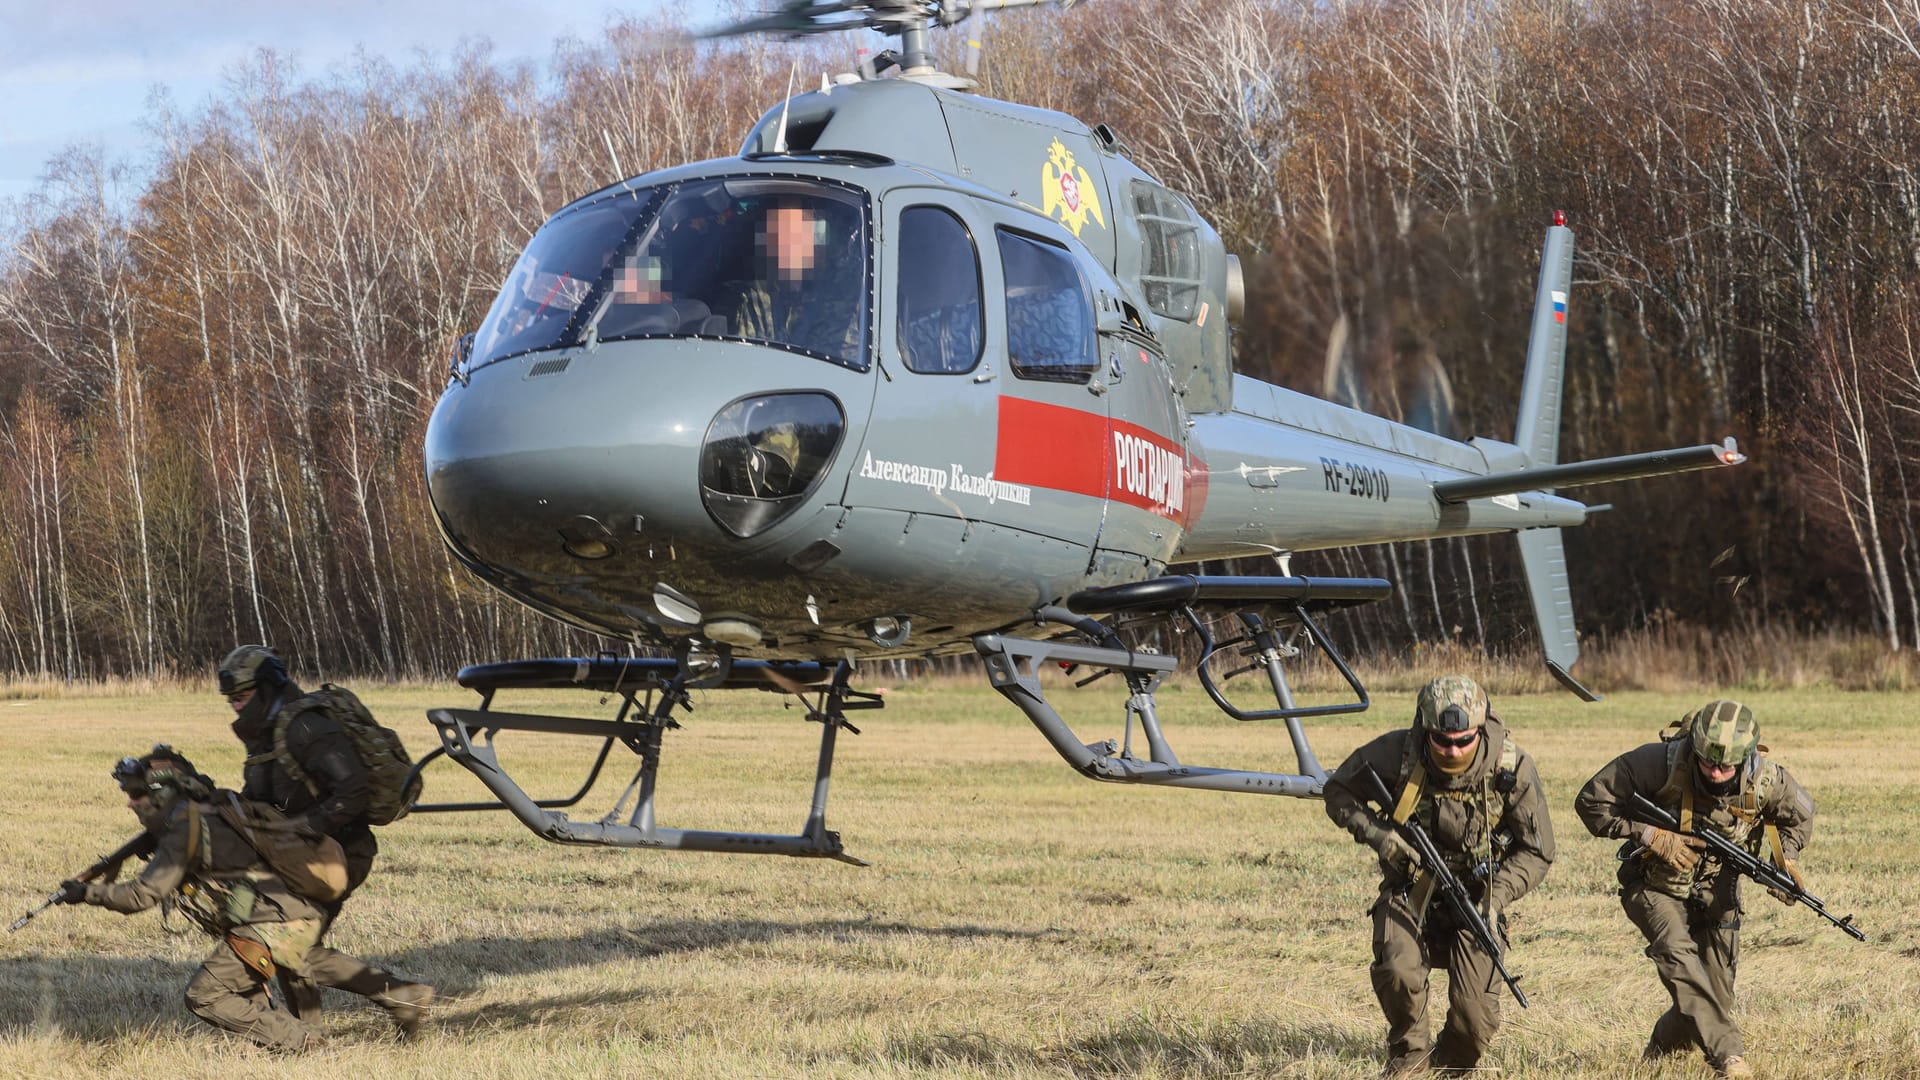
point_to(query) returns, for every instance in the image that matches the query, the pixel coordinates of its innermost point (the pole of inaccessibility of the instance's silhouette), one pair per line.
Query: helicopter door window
(1050, 329)
(942, 322)
(1169, 251)
(541, 304)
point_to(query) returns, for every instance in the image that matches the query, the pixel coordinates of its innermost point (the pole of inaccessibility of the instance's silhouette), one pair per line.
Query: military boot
(1734, 1068)
(1410, 1065)
(407, 1003)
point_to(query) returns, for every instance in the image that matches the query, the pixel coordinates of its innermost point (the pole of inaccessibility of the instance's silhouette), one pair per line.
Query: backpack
(312, 864)
(379, 749)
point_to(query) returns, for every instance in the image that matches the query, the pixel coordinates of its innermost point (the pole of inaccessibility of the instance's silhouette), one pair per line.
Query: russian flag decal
(1559, 306)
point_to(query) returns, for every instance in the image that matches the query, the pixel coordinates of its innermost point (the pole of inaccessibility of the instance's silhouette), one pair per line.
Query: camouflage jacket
(1469, 816)
(199, 854)
(1664, 772)
(820, 315)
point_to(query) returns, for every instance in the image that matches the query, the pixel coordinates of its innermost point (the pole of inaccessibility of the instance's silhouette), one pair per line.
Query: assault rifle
(1742, 861)
(141, 846)
(1452, 890)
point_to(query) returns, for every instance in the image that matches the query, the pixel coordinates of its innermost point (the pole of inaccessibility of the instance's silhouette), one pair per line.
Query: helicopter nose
(602, 472)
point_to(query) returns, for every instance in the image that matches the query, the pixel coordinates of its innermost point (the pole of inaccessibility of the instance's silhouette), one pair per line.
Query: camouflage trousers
(330, 967)
(230, 989)
(321, 966)
(1695, 959)
(1404, 956)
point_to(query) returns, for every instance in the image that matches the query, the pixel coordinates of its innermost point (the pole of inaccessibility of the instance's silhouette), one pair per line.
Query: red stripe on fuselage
(1066, 449)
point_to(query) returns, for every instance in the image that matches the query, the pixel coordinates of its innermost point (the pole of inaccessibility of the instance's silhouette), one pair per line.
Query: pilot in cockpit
(799, 294)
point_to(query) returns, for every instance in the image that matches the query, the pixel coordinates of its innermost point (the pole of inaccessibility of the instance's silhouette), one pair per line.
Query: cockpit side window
(942, 316)
(541, 304)
(774, 261)
(1050, 328)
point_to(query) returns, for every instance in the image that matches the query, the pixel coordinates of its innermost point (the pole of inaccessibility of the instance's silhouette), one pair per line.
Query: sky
(83, 70)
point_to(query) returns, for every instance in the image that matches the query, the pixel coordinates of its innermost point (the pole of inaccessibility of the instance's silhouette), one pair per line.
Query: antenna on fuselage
(780, 137)
(617, 170)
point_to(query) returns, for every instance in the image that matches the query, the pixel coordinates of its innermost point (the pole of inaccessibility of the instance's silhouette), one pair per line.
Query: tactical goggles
(1454, 741)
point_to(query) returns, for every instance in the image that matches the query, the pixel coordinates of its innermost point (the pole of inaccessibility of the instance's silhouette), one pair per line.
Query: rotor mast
(916, 58)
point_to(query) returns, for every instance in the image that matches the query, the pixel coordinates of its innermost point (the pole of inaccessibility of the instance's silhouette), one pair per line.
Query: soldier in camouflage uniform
(219, 882)
(1710, 773)
(1461, 775)
(333, 799)
(800, 295)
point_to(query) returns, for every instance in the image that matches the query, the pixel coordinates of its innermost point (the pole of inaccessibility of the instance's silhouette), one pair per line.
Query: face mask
(153, 810)
(254, 713)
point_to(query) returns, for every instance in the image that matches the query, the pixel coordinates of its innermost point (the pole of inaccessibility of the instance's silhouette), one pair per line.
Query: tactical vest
(1735, 821)
(1498, 781)
(214, 902)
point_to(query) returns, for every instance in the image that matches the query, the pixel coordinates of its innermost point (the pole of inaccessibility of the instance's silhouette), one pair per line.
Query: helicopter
(918, 373)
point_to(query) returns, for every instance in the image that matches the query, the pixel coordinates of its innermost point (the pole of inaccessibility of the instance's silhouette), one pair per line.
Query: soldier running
(219, 882)
(1478, 795)
(1710, 773)
(330, 790)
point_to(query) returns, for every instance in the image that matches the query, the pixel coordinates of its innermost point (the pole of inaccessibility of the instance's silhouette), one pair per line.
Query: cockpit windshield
(567, 260)
(778, 261)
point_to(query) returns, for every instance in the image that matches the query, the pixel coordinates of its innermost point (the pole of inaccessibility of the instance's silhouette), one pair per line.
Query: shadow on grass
(1179, 1049)
(101, 998)
(461, 966)
(91, 998)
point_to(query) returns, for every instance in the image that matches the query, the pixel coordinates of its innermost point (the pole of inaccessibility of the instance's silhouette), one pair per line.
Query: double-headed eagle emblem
(1067, 192)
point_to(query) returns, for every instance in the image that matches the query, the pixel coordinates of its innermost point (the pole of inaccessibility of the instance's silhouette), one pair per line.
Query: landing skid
(650, 691)
(1014, 666)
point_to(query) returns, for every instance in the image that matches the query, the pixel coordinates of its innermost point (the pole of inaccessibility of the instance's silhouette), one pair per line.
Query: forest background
(214, 379)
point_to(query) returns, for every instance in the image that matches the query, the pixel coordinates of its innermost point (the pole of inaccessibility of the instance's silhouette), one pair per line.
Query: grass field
(1018, 920)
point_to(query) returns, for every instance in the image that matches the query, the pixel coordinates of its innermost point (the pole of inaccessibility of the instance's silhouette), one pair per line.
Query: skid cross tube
(467, 737)
(1014, 665)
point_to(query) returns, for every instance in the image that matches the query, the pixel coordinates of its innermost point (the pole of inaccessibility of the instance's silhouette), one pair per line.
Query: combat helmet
(251, 666)
(1451, 704)
(1723, 732)
(166, 776)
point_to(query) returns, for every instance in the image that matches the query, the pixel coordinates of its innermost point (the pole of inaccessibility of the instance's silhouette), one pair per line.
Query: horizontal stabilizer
(1629, 467)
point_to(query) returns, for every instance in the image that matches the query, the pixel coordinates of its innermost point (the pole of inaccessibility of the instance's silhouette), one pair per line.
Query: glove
(1799, 885)
(72, 892)
(1396, 853)
(1678, 850)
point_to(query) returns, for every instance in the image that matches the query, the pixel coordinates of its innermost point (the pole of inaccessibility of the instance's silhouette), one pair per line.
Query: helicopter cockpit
(774, 261)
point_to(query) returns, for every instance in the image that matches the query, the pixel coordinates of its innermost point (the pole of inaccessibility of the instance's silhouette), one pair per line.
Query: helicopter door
(1052, 441)
(1149, 497)
(963, 435)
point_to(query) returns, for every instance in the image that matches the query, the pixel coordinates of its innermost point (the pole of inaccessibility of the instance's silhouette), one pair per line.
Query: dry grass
(1018, 921)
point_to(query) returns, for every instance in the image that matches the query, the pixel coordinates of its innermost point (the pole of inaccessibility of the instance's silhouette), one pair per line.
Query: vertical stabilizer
(1538, 430)
(1545, 561)
(1537, 434)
